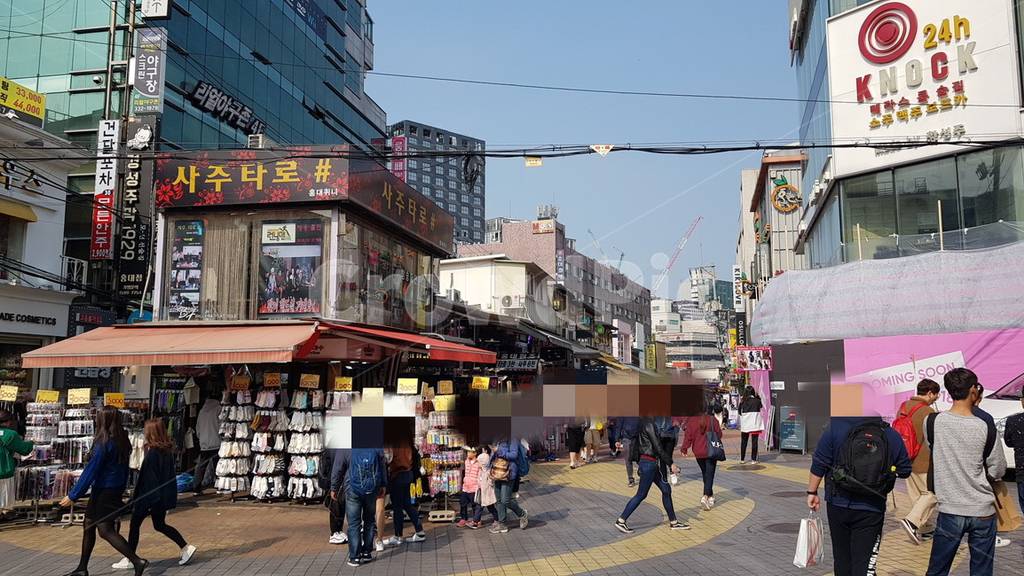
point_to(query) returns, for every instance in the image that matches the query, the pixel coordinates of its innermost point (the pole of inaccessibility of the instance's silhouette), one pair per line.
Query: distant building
(456, 184)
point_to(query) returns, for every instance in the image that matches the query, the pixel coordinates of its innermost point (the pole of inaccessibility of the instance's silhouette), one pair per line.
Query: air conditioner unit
(506, 301)
(256, 141)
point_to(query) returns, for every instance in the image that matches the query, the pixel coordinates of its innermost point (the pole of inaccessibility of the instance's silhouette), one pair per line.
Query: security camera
(97, 79)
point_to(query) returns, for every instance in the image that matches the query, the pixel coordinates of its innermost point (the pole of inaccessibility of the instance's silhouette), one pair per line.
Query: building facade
(774, 210)
(458, 185)
(600, 299)
(694, 347)
(914, 187)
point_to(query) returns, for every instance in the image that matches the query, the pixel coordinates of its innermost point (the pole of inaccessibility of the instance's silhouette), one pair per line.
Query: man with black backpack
(860, 458)
(363, 476)
(964, 459)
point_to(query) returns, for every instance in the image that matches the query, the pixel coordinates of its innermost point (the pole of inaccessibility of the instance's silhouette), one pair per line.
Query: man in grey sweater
(967, 504)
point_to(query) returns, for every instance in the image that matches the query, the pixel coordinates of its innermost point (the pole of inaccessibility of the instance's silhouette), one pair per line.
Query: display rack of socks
(444, 457)
(305, 444)
(234, 464)
(269, 442)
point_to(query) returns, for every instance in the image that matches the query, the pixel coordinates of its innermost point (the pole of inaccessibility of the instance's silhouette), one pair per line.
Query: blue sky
(639, 203)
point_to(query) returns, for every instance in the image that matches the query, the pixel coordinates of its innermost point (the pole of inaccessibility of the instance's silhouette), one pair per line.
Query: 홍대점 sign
(921, 76)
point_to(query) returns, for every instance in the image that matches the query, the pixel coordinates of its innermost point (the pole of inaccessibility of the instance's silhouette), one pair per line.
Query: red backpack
(904, 425)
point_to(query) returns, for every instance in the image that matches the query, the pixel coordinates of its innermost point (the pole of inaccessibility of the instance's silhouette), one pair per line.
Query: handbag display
(716, 450)
(810, 545)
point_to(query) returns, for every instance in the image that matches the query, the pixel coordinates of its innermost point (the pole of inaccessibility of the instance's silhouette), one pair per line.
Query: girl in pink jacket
(470, 484)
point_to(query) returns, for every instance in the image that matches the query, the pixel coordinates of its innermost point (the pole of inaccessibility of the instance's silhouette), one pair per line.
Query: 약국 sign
(226, 107)
(147, 74)
(904, 72)
(101, 245)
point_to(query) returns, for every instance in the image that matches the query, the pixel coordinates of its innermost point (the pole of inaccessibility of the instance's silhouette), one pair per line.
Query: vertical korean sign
(133, 246)
(101, 245)
(147, 73)
(737, 288)
(399, 148)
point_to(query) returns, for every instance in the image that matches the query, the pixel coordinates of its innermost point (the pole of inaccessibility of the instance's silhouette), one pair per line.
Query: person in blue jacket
(359, 476)
(510, 452)
(107, 475)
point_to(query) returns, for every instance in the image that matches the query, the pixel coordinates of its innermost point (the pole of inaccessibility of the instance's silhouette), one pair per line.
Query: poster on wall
(186, 273)
(290, 257)
(753, 358)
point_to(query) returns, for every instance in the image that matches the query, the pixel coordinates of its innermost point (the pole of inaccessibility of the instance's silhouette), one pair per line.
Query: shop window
(869, 205)
(991, 185)
(919, 189)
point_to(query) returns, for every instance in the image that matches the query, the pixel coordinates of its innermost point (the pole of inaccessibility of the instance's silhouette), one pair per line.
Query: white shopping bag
(810, 546)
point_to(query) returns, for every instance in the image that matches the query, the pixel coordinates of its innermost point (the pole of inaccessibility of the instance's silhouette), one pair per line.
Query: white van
(1001, 404)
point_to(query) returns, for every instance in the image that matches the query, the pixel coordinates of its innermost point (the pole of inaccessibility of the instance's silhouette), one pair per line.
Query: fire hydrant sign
(925, 75)
(115, 399)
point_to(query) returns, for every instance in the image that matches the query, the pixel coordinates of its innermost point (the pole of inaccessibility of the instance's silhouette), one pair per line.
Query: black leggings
(753, 445)
(107, 531)
(159, 516)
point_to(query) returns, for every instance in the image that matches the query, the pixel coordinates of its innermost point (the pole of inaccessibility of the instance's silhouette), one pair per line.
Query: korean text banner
(30, 106)
(148, 71)
(251, 177)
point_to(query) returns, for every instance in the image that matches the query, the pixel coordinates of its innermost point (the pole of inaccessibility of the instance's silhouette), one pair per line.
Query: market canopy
(176, 344)
(578, 350)
(435, 348)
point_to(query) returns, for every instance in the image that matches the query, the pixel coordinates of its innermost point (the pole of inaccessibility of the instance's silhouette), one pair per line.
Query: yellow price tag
(428, 391)
(409, 386)
(8, 393)
(481, 383)
(343, 383)
(271, 379)
(79, 396)
(445, 387)
(115, 399)
(309, 381)
(47, 396)
(240, 382)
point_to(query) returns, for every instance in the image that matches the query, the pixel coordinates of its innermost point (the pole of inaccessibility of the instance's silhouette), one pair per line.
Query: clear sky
(639, 203)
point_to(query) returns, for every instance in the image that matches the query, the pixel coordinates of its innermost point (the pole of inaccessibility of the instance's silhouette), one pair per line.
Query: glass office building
(298, 65)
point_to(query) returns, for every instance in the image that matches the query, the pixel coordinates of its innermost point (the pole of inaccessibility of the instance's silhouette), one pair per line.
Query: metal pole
(860, 244)
(942, 241)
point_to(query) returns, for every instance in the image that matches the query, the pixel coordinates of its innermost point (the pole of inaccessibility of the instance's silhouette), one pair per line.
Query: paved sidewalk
(752, 530)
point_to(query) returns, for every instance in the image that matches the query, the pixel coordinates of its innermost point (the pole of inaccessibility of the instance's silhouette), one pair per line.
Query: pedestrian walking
(1013, 436)
(595, 437)
(860, 459)
(910, 424)
(649, 450)
(751, 424)
(470, 485)
(330, 461)
(11, 443)
(485, 496)
(695, 438)
(107, 475)
(574, 443)
(401, 473)
(363, 476)
(628, 429)
(964, 457)
(612, 432)
(991, 422)
(156, 493)
(504, 471)
(208, 431)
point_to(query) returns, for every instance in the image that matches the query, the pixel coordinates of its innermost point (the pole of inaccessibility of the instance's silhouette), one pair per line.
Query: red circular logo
(888, 32)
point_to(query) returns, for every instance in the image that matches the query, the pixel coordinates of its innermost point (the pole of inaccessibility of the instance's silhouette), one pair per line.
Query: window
(426, 179)
(426, 133)
(464, 221)
(453, 196)
(451, 173)
(476, 200)
(414, 164)
(869, 203)
(439, 170)
(464, 210)
(919, 188)
(992, 184)
(452, 208)
(413, 177)
(426, 191)
(412, 129)
(476, 212)
(465, 199)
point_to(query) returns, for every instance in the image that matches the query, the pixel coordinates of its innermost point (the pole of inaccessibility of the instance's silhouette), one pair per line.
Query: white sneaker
(338, 538)
(704, 503)
(418, 537)
(711, 502)
(1000, 542)
(124, 564)
(378, 545)
(186, 554)
(392, 541)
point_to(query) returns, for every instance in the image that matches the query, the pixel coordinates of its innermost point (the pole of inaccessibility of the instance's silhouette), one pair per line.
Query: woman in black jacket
(156, 492)
(751, 424)
(653, 459)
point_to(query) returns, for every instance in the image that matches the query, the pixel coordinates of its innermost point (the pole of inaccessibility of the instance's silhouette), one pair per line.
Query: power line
(520, 85)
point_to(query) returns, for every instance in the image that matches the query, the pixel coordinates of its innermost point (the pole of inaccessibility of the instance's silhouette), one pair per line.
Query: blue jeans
(650, 473)
(362, 527)
(950, 530)
(707, 471)
(503, 490)
(401, 503)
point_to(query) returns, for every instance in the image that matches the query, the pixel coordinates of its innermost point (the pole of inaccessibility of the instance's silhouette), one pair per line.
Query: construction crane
(675, 255)
(598, 244)
(622, 254)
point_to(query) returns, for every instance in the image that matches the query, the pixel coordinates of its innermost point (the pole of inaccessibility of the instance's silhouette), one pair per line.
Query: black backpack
(865, 466)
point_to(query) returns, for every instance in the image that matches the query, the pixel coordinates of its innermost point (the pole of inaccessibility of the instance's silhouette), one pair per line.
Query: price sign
(428, 391)
(343, 383)
(272, 380)
(79, 396)
(408, 386)
(240, 382)
(115, 399)
(8, 393)
(444, 403)
(445, 387)
(47, 396)
(309, 381)
(481, 383)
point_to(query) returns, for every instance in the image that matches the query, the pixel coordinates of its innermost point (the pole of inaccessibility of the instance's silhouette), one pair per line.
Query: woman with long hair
(107, 475)
(751, 424)
(696, 438)
(156, 492)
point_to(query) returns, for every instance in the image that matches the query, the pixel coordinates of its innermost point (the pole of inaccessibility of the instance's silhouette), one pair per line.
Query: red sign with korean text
(101, 244)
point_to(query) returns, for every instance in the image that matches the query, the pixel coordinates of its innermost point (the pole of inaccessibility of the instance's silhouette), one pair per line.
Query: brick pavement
(751, 531)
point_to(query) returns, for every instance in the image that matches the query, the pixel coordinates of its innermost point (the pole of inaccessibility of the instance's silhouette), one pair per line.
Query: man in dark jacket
(628, 427)
(1013, 436)
(649, 450)
(332, 462)
(855, 520)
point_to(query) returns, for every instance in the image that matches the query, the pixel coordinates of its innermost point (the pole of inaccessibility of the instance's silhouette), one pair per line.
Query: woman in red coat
(696, 437)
